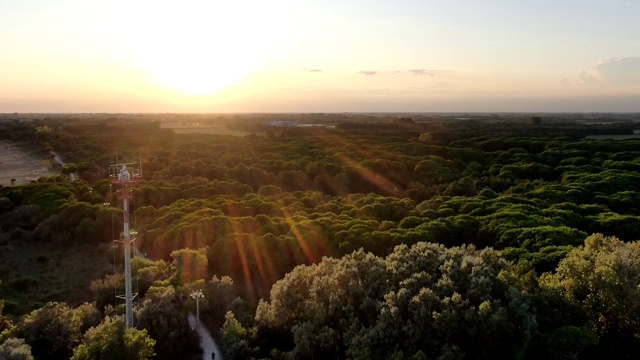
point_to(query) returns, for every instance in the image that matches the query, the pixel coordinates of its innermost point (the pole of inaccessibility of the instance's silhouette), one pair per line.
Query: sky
(319, 56)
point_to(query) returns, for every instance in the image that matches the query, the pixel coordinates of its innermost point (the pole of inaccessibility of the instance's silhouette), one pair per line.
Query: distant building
(282, 123)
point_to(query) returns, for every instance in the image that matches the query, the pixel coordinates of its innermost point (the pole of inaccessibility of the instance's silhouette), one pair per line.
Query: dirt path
(58, 159)
(207, 343)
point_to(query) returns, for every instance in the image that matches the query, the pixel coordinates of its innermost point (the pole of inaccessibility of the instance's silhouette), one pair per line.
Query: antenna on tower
(126, 176)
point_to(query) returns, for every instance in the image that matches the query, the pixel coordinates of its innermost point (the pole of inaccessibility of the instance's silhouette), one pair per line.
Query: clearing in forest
(22, 165)
(197, 128)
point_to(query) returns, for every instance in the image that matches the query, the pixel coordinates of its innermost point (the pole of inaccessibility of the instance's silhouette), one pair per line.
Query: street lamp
(197, 294)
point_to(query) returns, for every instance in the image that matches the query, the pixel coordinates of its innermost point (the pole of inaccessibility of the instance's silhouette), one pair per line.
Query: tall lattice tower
(126, 176)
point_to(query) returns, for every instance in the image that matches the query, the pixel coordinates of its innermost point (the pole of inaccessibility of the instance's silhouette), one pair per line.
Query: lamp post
(197, 294)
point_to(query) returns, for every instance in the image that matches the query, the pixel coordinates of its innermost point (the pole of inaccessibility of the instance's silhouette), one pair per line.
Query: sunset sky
(319, 56)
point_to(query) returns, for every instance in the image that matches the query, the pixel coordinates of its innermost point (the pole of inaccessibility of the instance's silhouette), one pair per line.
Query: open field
(38, 273)
(20, 164)
(180, 128)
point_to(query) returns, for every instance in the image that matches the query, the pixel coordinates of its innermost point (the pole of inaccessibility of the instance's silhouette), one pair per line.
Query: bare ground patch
(22, 165)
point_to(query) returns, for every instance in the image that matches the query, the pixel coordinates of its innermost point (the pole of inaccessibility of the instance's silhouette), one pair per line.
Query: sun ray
(298, 235)
(245, 267)
(271, 268)
(258, 258)
(377, 180)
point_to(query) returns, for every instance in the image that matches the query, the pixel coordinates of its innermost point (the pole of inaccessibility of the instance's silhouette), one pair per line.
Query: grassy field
(34, 273)
(16, 162)
(179, 128)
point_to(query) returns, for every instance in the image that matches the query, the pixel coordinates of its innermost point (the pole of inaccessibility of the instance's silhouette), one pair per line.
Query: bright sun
(198, 68)
(197, 47)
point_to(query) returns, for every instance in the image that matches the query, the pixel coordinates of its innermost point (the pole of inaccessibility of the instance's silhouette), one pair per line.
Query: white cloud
(613, 71)
(420, 72)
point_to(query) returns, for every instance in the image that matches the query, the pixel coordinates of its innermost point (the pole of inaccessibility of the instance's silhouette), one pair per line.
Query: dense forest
(345, 237)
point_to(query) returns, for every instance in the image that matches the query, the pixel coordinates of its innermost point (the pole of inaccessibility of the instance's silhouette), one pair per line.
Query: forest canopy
(356, 238)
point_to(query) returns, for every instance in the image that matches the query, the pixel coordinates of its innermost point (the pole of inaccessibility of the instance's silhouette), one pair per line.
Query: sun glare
(199, 47)
(196, 69)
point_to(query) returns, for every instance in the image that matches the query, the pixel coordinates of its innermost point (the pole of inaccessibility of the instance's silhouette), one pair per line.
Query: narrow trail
(207, 343)
(59, 160)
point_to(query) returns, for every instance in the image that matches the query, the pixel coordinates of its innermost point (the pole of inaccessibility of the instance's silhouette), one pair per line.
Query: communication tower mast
(126, 176)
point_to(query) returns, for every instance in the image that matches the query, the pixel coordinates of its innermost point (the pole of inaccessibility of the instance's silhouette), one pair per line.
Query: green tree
(111, 340)
(5, 322)
(426, 300)
(235, 339)
(55, 329)
(190, 265)
(219, 297)
(104, 289)
(15, 349)
(568, 341)
(602, 278)
(164, 317)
